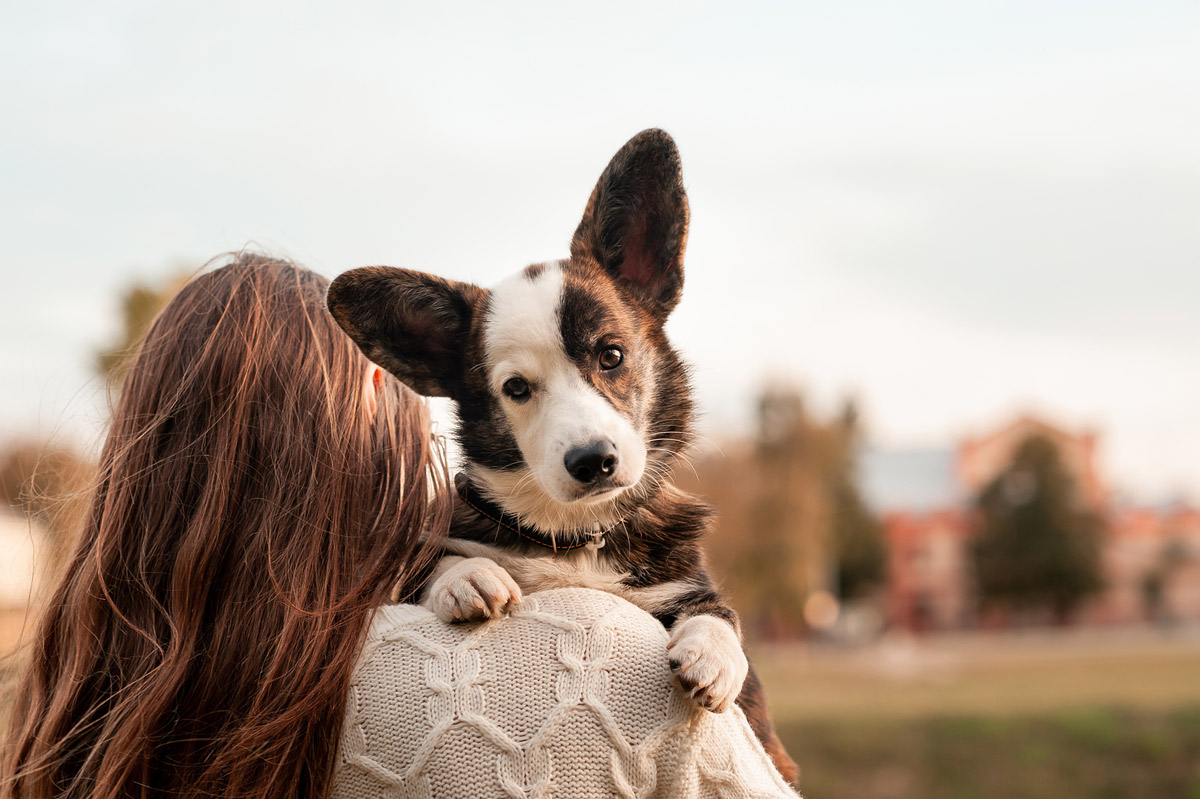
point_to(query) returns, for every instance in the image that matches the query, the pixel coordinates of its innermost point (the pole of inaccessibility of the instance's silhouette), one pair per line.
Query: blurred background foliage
(48, 484)
(139, 304)
(791, 519)
(1037, 545)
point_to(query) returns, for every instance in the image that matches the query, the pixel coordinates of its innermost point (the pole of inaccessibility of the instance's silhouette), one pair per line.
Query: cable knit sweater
(570, 697)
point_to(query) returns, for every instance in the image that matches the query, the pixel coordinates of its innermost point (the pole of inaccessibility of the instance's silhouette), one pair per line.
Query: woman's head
(259, 490)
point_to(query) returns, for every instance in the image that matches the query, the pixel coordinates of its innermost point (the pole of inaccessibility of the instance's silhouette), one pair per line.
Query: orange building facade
(1151, 556)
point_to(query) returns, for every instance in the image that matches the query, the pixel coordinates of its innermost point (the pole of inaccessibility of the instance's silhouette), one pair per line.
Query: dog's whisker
(684, 444)
(712, 443)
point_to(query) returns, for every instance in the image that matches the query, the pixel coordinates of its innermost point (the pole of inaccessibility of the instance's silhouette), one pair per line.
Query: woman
(261, 488)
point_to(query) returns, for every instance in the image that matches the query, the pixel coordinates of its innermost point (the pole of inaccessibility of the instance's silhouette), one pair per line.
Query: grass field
(1038, 716)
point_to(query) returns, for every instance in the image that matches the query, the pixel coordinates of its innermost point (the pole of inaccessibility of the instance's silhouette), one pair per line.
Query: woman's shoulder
(582, 642)
(573, 688)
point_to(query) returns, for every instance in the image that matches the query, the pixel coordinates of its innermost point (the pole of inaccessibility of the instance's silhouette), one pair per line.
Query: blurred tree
(791, 520)
(1037, 546)
(49, 485)
(860, 550)
(790, 511)
(140, 303)
(1156, 580)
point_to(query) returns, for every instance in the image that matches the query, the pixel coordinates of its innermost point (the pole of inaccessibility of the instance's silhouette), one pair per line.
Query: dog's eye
(517, 388)
(611, 358)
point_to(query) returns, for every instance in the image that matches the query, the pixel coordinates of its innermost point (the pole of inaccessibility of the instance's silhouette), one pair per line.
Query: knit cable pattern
(569, 698)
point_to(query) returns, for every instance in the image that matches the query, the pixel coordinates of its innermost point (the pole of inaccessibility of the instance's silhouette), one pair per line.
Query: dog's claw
(707, 659)
(473, 589)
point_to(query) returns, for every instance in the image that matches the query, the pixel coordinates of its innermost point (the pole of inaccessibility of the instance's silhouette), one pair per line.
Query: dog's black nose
(591, 462)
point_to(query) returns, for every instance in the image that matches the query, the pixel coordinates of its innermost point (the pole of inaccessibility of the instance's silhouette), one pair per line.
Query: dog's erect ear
(636, 221)
(413, 324)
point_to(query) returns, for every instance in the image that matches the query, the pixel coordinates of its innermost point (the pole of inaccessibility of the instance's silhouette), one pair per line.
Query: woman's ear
(372, 380)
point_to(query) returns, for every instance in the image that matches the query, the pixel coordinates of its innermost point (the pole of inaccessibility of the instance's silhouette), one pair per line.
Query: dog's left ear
(636, 222)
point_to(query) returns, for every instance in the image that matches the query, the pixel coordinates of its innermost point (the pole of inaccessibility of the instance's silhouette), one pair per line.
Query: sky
(955, 212)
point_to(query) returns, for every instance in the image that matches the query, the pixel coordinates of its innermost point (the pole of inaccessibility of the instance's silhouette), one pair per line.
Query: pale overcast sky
(956, 211)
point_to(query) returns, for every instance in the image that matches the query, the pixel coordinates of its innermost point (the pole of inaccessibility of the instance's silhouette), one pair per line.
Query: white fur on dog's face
(523, 338)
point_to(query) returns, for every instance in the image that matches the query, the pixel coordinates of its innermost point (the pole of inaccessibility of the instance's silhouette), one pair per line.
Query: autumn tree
(49, 484)
(1172, 557)
(791, 519)
(859, 547)
(790, 510)
(1037, 547)
(140, 303)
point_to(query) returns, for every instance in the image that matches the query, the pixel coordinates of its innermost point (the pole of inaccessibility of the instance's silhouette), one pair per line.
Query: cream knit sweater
(570, 697)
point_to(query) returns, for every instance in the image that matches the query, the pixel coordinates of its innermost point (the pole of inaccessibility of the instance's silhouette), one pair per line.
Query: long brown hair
(249, 514)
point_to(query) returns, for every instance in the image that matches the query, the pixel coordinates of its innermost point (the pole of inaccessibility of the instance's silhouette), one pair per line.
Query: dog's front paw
(473, 589)
(707, 657)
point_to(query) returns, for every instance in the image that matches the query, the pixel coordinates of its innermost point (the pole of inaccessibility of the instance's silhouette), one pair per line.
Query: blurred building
(1151, 556)
(1152, 563)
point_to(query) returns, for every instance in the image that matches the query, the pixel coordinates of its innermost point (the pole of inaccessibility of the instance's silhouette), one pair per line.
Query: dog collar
(488, 509)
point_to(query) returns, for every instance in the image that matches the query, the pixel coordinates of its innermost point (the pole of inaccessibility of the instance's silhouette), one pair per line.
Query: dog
(572, 406)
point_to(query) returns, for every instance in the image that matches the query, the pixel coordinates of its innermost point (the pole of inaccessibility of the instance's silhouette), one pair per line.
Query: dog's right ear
(413, 324)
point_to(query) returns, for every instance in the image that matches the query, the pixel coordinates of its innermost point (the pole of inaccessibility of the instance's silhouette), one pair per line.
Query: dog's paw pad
(473, 590)
(707, 658)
